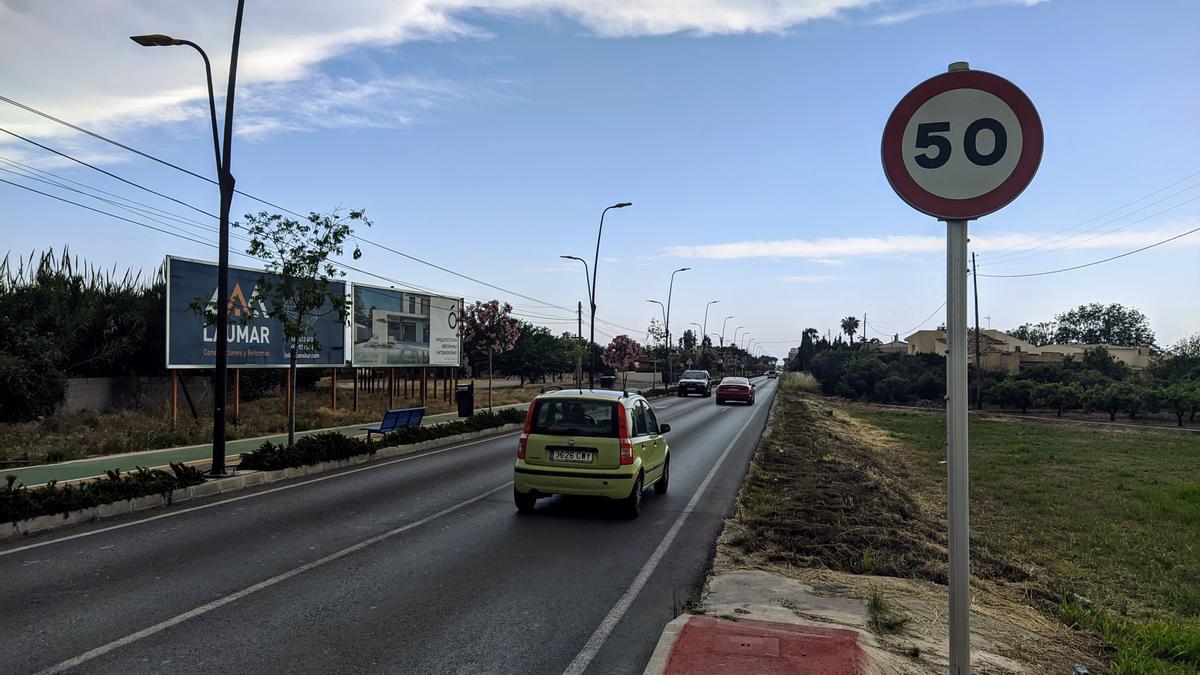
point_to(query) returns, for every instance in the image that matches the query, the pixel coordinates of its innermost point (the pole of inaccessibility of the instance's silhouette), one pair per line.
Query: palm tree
(850, 327)
(811, 333)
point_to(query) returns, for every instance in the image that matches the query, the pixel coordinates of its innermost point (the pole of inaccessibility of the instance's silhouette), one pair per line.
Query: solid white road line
(596, 641)
(172, 514)
(233, 597)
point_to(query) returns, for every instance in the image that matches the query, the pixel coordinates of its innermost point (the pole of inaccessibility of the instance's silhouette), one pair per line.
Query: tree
(807, 350)
(488, 328)
(1112, 324)
(861, 373)
(1101, 361)
(621, 354)
(1179, 399)
(1035, 333)
(1012, 394)
(894, 389)
(687, 342)
(850, 327)
(535, 354)
(1188, 346)
(1110, 399)
(297, 290)
(1057, 396)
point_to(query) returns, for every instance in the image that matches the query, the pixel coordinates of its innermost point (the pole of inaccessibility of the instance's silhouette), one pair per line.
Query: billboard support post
(237, 396)
(391, 387)
(174, 400)
(333, 389)
(356, 390)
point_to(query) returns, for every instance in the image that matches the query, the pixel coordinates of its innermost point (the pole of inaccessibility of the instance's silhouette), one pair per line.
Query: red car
(735, 389)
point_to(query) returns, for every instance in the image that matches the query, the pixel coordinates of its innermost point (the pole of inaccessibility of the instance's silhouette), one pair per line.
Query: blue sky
(487, 136)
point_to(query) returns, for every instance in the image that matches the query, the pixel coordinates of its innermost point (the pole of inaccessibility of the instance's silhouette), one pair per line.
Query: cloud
(928, 8)
(893, 245)
(806, 279)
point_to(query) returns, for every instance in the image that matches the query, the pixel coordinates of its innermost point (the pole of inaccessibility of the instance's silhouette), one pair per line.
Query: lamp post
(723, 330)
(592, 298)
(670, 288)
(664, 315)
(734, 341)
(225, 183)
(704, 328)
(700, 339)
(587, 279)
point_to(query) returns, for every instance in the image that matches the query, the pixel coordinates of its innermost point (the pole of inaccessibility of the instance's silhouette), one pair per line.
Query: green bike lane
(92, 467)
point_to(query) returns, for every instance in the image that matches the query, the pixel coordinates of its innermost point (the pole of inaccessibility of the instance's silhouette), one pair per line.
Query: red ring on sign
(925, 201)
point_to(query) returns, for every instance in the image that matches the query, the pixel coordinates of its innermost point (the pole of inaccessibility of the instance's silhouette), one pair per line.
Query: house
(896, 346)
(1002, 352)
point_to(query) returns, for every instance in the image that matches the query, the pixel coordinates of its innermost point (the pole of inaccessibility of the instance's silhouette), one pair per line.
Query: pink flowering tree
(488, 328)
(621, 354)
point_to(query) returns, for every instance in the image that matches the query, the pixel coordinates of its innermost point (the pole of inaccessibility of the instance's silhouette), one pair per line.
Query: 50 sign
(962, 144)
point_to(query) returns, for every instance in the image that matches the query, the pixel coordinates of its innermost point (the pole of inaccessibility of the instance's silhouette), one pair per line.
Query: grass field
(1110, 515)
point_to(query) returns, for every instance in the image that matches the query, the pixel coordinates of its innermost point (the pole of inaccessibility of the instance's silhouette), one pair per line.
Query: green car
(591, 442)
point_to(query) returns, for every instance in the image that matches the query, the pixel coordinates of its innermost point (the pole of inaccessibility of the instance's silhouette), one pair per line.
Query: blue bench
(397, 419)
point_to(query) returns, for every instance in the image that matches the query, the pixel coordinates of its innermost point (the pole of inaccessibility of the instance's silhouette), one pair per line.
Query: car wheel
(525, 501)
(720, 401)
(679, 394)
(631, 506)
(660, 488)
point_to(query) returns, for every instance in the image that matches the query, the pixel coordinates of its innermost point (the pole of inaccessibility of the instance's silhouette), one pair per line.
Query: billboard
(394, 327)
(255, 341)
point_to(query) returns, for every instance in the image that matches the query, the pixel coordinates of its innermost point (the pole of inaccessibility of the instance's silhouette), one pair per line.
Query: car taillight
(623, 435)
(524, 440)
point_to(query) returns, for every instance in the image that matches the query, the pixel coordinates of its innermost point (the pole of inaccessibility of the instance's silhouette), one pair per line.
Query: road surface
(412, 565)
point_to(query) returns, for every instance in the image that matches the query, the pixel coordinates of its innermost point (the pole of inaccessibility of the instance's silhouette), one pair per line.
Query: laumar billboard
(254, 339)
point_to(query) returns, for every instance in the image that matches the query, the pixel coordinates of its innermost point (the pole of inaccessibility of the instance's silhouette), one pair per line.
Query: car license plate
(576, 456)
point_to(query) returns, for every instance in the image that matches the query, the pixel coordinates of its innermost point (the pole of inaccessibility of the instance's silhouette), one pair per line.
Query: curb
(662, 651)
(24, 528)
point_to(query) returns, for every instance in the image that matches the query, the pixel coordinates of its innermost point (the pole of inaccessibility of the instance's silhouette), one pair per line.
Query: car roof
(735, 379)
(594, 394)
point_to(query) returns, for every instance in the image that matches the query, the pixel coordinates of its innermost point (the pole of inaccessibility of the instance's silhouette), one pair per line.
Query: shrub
(332, 446)
(861, 373)
(894, 389)
(827, 368)
(796, 381)
(18, 502)
(31, 384)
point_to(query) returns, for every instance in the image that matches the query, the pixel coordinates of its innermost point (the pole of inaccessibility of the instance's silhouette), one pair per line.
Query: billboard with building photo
(395, 328)
(254, 339)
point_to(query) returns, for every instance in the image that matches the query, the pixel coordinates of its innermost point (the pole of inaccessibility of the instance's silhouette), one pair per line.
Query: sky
(486, 137)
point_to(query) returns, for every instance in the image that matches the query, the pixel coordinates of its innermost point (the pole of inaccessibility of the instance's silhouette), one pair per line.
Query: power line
(106, 173)
(1011, 259)
(1095, 218)
(1094, 262)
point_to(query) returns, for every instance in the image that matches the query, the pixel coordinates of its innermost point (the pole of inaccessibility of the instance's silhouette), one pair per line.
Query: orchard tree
(297, 290)
(488, 328)
(621, 354)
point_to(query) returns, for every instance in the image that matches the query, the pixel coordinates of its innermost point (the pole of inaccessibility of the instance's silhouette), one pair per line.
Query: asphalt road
(415, 565)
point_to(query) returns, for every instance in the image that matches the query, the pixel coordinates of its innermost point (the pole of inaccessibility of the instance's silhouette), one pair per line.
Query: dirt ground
(827, 502)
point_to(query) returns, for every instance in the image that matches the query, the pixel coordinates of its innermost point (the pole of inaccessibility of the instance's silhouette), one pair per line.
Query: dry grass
(66, 436)
(793, 381)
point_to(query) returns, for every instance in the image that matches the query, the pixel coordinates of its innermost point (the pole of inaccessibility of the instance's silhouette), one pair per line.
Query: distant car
(771, 374)
(694, 382)
(591, 442)
(735, 389)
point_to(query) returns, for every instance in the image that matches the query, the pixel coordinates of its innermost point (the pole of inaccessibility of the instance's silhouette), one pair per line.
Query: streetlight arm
(212, 101)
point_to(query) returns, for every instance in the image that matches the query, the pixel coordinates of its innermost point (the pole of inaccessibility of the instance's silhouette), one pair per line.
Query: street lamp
(723, 329)
(664, 315)
(734, 341)
(225, 182)
(592, 298)
(587, 279)
(670, 289)
(704, 328)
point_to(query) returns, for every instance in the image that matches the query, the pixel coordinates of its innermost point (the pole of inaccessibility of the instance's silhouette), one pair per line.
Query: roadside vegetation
(1107, 521)
(332, 446)
(18, 502)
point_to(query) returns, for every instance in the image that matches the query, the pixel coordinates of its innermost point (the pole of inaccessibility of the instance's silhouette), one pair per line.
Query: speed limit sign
(962, 144)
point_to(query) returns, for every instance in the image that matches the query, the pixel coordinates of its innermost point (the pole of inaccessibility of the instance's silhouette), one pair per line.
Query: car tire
(707, 394)
(631, 506)
(680, 394)
(664, 481)
(720, 401)
(525, 501)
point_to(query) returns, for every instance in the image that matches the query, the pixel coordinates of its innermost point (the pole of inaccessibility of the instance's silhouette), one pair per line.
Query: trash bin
(608, 381)
(464, 396)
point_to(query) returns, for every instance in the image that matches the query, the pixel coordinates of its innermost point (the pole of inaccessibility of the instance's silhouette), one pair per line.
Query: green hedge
(332, 446)
(18, 502)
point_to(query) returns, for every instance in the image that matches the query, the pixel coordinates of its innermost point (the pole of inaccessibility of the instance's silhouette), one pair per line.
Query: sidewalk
(96, 466)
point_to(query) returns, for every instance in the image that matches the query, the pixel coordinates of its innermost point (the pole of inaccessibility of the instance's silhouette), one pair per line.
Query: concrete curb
(662, 652)
(24, 528)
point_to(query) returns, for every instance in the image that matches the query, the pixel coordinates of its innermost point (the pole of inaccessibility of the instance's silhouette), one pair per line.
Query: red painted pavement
(711, 645)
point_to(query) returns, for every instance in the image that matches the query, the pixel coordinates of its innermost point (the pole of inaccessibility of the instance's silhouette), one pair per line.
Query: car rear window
(694, 375)
(575, 417)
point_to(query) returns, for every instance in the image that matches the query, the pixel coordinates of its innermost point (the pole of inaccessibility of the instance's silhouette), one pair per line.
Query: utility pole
(978, 363)
(579, 356)
(864, 331)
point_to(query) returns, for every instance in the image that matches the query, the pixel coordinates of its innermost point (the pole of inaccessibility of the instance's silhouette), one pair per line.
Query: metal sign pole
(956, 446)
